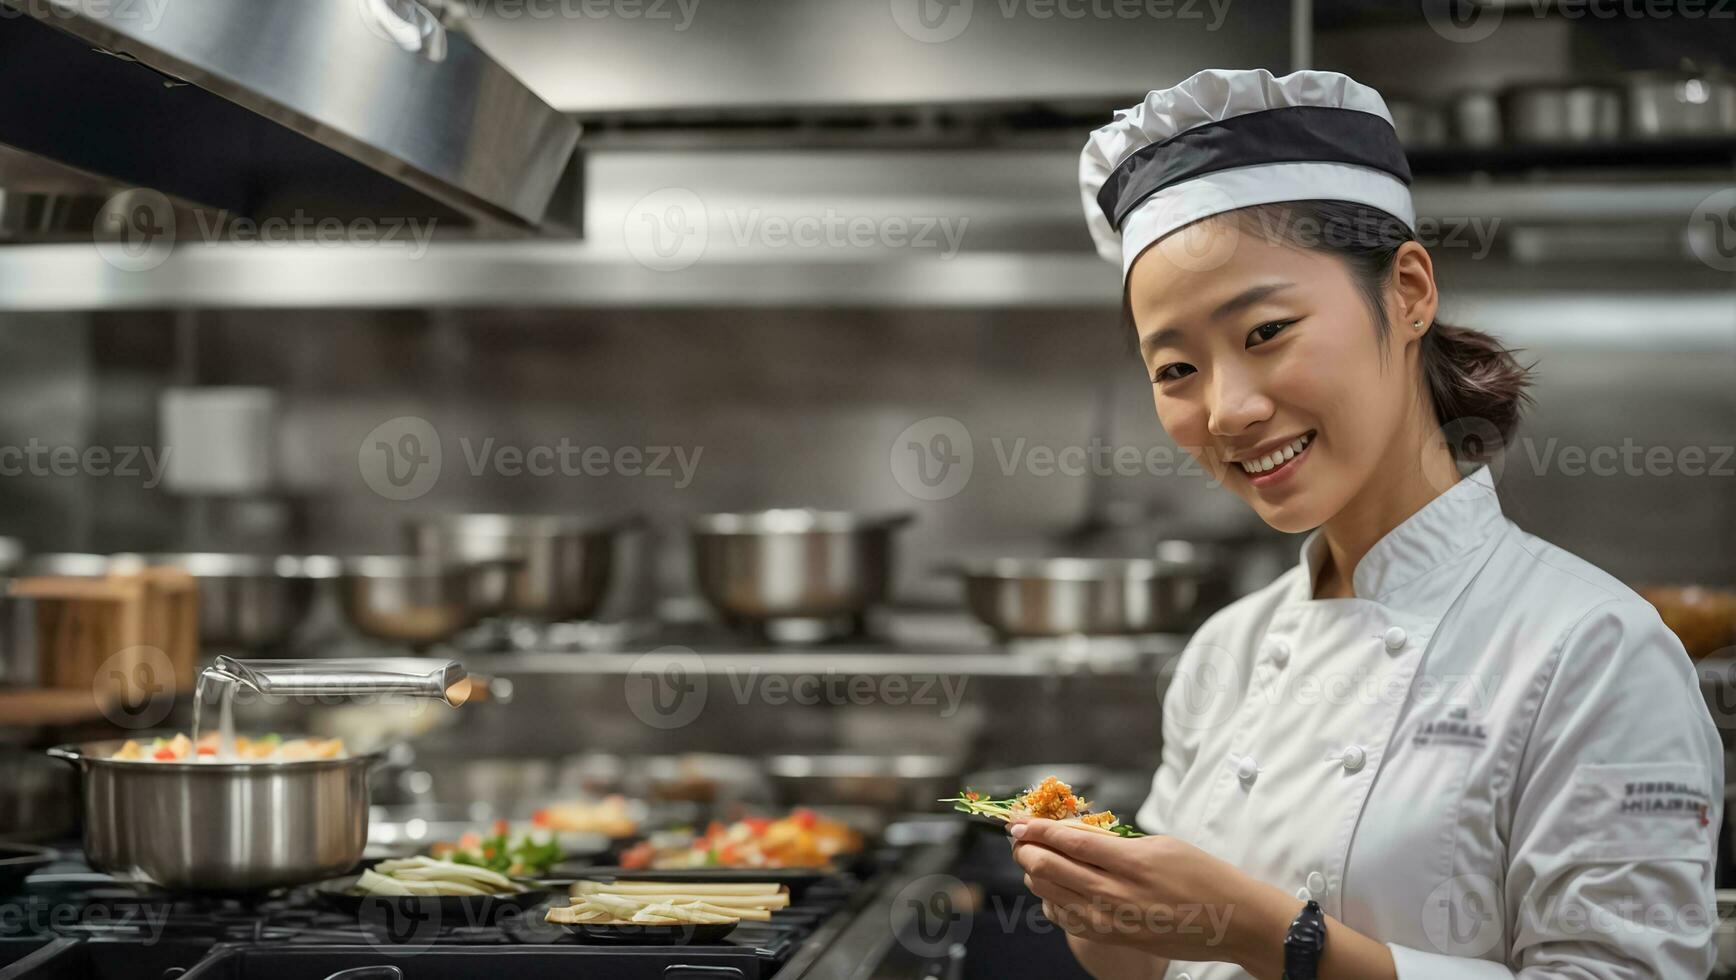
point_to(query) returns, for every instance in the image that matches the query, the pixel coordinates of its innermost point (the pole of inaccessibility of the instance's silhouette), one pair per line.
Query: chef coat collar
(1447, 527)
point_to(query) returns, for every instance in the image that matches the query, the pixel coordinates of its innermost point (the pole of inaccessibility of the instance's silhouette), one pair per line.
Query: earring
(1416, 324)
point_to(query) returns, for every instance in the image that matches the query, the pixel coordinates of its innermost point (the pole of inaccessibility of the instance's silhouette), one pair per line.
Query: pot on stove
(222, 827)
(246, 826)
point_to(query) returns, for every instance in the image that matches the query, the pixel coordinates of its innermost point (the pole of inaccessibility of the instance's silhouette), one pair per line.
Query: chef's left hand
(1160, 894)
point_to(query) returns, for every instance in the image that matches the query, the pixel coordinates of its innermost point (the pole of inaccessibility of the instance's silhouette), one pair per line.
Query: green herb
(498, 853)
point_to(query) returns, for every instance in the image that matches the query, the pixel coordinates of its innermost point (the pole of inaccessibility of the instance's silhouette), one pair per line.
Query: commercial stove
(69, 923)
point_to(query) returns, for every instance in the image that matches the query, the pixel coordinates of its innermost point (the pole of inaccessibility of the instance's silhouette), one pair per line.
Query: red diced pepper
(164, 754)
(207, 750)
(804, 818)
(756, 825)
(540, 818)
(499, 828)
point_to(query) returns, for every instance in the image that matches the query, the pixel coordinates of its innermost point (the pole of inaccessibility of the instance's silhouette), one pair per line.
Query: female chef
(1438, 747)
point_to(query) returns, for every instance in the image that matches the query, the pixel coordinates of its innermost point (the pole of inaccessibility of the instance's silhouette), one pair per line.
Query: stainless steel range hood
(298, 109)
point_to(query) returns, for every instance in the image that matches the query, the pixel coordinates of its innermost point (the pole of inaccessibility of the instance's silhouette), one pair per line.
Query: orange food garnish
(1052, 799)
(1106, 819)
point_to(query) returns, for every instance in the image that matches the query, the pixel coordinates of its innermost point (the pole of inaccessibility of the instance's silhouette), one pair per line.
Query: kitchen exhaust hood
(301, 110)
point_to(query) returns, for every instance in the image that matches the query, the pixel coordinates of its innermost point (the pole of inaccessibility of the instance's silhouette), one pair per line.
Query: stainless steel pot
(220, 827)
(1675, 105)
(1563, 113)
(793, 565)
(564, 563)
(1090, 596)
(419, 601)
(887, 783)
(248, 602)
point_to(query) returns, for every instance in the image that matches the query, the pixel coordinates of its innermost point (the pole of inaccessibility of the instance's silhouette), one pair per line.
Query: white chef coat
(1495, 758)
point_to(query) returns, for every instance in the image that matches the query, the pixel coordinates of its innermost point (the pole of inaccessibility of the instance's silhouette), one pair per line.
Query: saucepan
(419, 601)
(249, 602)
(1091, 596)
(563, 563)
(794, 567)
(244, 826)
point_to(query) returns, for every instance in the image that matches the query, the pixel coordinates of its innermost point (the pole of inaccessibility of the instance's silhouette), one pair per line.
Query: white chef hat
(1223, 140)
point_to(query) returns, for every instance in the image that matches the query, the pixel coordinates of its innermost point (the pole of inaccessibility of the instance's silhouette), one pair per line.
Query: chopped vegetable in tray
(426, 876)
(804, 839)
(527, 856)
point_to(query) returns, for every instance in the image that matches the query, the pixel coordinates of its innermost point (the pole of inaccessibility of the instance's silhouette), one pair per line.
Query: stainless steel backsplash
(782, 408)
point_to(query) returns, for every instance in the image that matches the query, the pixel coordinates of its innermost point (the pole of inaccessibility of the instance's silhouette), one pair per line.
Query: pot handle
(68, 754)
(383, 972)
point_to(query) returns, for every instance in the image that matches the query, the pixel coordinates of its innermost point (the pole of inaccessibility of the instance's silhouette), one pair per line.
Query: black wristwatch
(1304, 943)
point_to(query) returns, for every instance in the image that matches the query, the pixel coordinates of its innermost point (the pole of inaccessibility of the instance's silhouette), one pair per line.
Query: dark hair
(1476, 384)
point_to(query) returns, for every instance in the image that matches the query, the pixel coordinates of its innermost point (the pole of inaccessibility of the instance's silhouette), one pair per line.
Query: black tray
(442, 910)
(636, 934)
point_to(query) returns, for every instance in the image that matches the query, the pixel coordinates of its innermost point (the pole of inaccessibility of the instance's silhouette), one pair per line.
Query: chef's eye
(1172, 372)
(1266, 331)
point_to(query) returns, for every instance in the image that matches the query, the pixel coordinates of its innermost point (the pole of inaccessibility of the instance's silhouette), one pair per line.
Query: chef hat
(1223, 140)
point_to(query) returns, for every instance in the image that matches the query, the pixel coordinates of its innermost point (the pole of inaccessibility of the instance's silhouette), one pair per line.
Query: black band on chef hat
(1291, 134)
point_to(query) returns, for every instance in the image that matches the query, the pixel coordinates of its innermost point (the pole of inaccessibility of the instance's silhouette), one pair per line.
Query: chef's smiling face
(1267, 366)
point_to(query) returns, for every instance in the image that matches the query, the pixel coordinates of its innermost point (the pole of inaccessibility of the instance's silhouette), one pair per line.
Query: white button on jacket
(1538, 782)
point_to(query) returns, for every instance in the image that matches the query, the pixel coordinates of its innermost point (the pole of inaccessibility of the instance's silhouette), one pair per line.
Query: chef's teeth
(1273, 459)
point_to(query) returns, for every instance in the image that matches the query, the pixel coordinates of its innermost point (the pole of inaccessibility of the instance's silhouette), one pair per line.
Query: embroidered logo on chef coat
(1642, 811)
(1457, 728)
(1666, 799)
